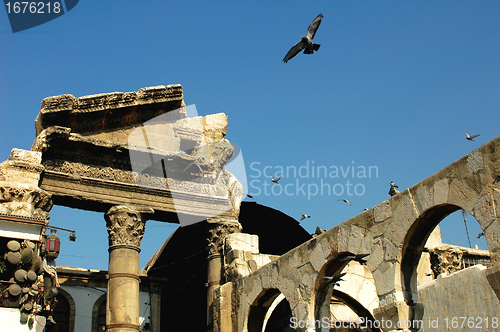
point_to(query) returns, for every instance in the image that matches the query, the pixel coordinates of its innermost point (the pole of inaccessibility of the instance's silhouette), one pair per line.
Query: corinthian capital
(126, 225)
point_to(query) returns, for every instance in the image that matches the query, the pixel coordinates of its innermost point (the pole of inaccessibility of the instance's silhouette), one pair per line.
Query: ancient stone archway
(392, 233)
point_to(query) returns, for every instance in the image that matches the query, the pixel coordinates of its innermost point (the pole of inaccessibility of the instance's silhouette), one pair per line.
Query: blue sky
(394, 85)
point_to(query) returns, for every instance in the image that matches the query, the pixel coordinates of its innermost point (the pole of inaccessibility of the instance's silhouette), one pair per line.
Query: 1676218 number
(471, 322)
(33, 7)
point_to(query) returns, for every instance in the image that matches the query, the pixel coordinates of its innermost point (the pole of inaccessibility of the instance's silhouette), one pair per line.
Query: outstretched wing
(311, 31)
(294, 51)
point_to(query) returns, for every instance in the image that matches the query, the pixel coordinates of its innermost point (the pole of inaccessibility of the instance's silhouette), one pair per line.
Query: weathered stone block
(384, 277)
(356, 236)
(484, 210)
(398, 315)
(242, 241)
(493, 276)
(376, 256)
(461, 194)
(382, 211)
(423, 198)
(475, 162)
(215, 126)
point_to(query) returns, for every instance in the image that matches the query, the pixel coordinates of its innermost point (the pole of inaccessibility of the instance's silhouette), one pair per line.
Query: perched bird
(275, 180)
(358, 258)
(306, 43)
(191, 165)
(469, 137)
(319, 231)
(344, 200)
(335, 278)
(304, 216)
(497, 179)
(480, 234)
(393, 191)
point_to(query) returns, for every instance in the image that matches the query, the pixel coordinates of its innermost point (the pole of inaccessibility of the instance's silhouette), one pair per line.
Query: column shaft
(126, 226)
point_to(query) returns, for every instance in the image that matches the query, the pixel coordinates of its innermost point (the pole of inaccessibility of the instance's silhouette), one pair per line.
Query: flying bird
(275, 180)
(480, 234)
(358, 258)
(344, 200)
(249, 196)
(364, 209)
(306, 43)
(497, 179)
(334, 280)
(304, 216)
(469, 137)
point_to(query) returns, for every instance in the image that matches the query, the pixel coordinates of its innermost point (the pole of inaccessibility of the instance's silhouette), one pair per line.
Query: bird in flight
(275, 180)
(306, 43)
(304, 216)
(497, 179)
(469, 137)
(249, 196)
(344, 200)
(335, 279)
(358, 258)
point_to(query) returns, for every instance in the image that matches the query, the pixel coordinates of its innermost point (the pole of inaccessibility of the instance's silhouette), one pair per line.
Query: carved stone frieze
(126, 225)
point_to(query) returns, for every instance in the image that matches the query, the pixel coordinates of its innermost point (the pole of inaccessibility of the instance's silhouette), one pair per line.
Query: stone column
(125, 226)
(218, 229)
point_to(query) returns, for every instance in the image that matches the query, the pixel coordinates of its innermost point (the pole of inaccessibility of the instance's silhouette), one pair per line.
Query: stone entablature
(136, 148)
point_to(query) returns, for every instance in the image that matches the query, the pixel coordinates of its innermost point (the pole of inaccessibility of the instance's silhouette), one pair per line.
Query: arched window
(99, 314)
(64, 313)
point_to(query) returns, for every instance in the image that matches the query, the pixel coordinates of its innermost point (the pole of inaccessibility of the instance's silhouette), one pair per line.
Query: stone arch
(479, 202)
(408, 219)
(260, 308)
(323, 292)
(414, 243)
(358, 308)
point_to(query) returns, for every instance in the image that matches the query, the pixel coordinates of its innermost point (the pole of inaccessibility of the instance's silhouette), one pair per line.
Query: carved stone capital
(24, 200)
(126, 225)
(218, 229)
(446, 259)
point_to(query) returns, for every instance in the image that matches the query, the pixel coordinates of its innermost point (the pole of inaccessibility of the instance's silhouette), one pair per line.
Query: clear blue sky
(394, 85)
